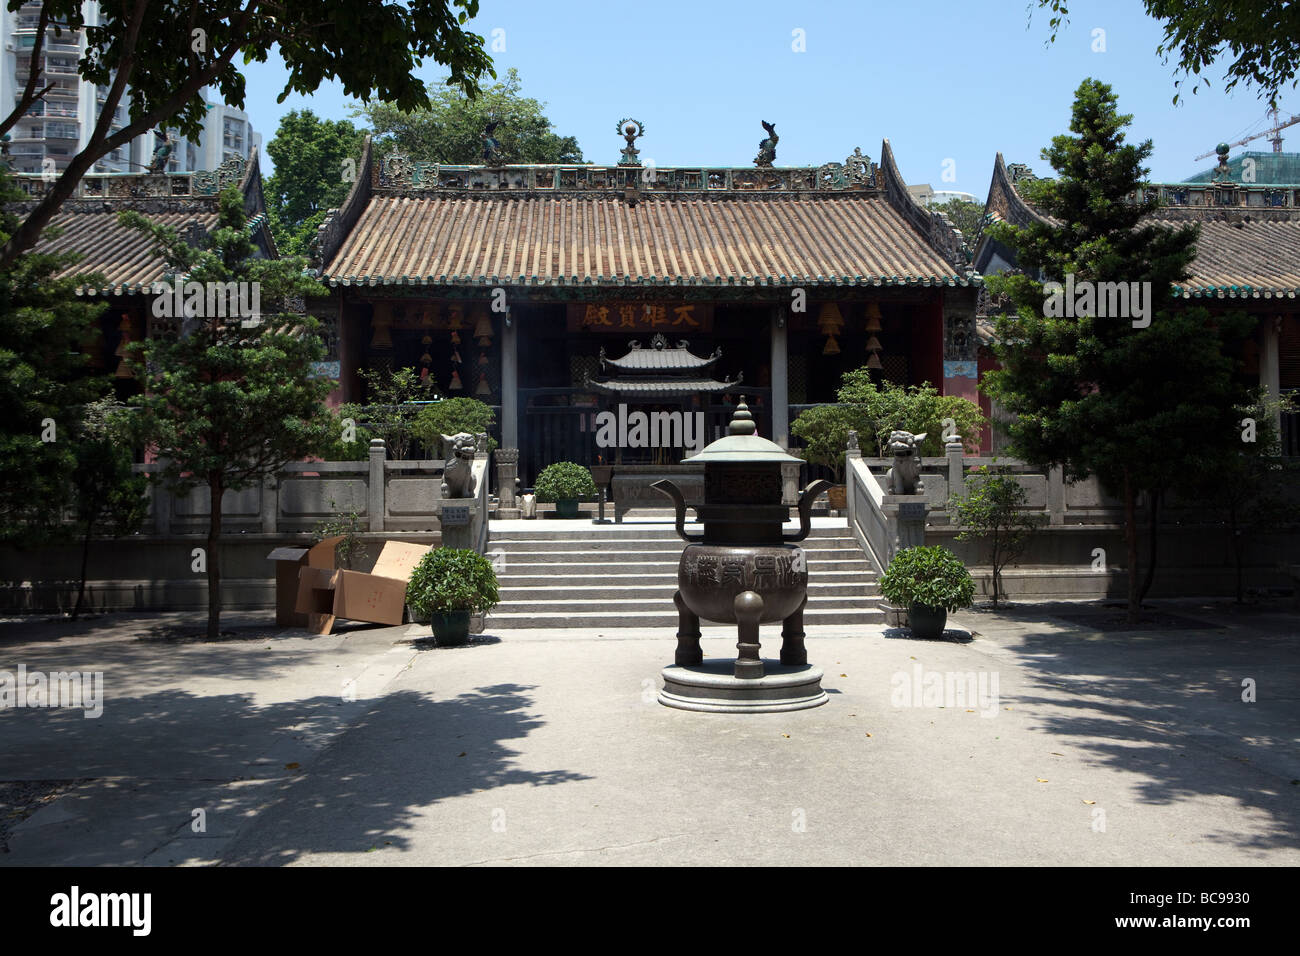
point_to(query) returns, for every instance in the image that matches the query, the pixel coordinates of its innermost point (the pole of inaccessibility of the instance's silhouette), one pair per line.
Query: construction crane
(1275, 129)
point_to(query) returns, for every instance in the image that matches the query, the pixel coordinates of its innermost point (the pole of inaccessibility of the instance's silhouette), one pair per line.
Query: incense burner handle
(667, 487)
(806, 500)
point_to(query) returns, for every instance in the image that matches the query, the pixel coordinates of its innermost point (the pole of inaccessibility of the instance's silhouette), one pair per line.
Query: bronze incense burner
(745, 569)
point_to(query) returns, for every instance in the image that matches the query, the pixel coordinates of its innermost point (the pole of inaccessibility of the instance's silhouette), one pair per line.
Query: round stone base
(712, 688)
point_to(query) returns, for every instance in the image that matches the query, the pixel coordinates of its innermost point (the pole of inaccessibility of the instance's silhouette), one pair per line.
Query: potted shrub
(825, 433)
(564, 483)
(929, 582)
(448, 585)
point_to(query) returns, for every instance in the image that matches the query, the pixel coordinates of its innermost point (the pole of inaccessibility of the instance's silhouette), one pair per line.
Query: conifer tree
(230, 398)
(1132, 398)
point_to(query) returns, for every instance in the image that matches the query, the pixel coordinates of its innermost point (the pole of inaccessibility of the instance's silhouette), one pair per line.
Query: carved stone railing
(874, 529)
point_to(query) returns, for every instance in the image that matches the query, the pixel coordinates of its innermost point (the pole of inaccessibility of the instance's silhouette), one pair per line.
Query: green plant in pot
(825, 433)
(448, 585)
(564, 483)
(929, 582)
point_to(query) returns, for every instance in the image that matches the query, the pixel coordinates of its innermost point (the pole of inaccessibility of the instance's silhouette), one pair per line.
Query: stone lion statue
(457, 473)
(904, 477)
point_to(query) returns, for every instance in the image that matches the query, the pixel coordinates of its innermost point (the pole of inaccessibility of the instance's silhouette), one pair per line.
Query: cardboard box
(379, 596)
(287, 563)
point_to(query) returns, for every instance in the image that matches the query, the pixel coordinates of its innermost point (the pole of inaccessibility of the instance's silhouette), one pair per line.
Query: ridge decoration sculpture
(767, 147)
(631, 130)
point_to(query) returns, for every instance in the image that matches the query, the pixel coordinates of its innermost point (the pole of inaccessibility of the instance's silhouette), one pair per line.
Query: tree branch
(29, 95)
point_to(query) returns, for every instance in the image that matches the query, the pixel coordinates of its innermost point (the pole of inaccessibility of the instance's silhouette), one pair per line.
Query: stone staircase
(625, 576)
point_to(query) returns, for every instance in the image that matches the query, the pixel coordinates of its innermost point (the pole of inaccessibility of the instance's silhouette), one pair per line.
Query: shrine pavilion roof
(126, 258)
(659, 358)
(675, 386)
(842, 224)
(1249, 245)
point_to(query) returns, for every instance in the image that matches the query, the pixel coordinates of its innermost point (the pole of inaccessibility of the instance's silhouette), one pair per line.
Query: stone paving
(541, 747)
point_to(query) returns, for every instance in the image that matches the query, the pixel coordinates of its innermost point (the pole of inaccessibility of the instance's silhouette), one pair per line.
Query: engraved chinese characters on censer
(745, 569)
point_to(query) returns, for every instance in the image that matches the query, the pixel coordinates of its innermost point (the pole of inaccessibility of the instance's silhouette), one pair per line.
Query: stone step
(563, 557)
(607, 532)
(647, 545)
(505, 620)
(643, 563)
(582, 606)
(665, 573)
(663, 591)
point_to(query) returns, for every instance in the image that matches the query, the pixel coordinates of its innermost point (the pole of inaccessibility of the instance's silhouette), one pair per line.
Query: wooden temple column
(510, 380)
(780, 378)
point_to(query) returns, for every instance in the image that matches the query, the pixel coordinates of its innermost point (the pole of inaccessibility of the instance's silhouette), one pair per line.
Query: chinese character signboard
(668, 317)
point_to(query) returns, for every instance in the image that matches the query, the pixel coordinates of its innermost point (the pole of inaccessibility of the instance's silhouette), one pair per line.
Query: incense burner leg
(793, 650)
(688, 634)
(749, 609)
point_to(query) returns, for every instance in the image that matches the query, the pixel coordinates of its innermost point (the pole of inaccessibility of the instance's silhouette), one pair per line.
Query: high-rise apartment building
(58, 127)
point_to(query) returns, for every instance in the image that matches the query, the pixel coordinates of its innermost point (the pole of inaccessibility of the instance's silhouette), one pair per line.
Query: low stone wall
(155, 573)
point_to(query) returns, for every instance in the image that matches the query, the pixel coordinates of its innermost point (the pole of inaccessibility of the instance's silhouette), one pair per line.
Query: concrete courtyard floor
(368, 747)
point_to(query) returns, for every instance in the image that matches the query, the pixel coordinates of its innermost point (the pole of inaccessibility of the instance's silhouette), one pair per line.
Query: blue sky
(942, 80)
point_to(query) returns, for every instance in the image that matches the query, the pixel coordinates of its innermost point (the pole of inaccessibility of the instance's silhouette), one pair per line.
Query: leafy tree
(108, 495)
(824, 430)
(168, 52)
(450, 129)
(452, 416)
(916, 408)
(1253, 489)
(313, 159)
(231, 400)
(1259, 34)
(963, 214)
(44, 382)
(390, 409)
(1134, 406)
(993, 509)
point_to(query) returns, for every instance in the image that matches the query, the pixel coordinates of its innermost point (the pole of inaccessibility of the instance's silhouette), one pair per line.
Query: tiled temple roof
(421, 224)
(659, 358)
(187, 202)
(1250, 235)
(676, 386)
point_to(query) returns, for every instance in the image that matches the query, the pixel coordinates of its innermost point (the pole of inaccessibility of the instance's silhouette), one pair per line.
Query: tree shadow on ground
(156, 756)
(1167, 709)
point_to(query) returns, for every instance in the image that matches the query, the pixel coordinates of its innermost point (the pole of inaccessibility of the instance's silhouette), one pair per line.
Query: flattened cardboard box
(379, 596)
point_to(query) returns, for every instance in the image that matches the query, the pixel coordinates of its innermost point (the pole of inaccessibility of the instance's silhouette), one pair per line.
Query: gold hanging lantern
(874, 361)
(832, 347)
(483, 387)
(873, 317)
(455, 385)
(873, 344)
(483, 327)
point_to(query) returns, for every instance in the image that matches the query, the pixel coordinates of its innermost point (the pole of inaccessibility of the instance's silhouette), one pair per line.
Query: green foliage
(44, 382)
(347, 526)
(169, 53)
(450, 417)
(388, 412)
(339, 450)
(311, 156)
(449, 130)
(229, 405)
(963, 214)
(824, 430)
(108, 496)
(919, 409)
(564, 480)
(452, 579)
(1259, 34)
(993, 509)
(927, 575)
(1133, 406)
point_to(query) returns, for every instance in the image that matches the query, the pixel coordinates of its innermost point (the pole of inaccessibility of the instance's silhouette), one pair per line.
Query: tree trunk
(1153, 536)
(1131, 546)
(85, 557)
(997, 573)
(214, 565)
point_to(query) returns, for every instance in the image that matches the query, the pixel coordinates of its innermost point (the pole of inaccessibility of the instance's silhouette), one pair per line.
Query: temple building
(1247, 258)
(506, 283)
